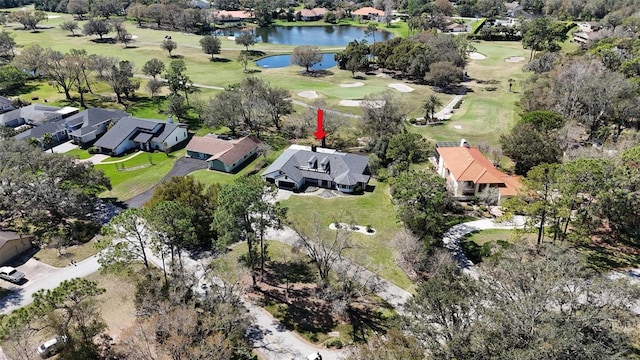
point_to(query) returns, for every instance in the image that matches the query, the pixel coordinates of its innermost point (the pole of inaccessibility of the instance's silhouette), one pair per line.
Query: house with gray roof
(144, 134)
(35, 114)
(82, 127)
(5, 105)
(312, 166)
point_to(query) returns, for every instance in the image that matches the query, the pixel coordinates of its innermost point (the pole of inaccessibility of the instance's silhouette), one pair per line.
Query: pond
(332, 35)
(278, 61)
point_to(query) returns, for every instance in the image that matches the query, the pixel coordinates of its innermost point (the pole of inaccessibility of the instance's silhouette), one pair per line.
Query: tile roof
(313, 12)
(343, 168)
(368, 10)
(234, 14)
(468, 164)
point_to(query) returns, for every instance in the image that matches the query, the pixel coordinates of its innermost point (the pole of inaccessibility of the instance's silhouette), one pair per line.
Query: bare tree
(324, 246)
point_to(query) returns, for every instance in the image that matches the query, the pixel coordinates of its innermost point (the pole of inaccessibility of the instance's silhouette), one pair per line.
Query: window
(176, 138)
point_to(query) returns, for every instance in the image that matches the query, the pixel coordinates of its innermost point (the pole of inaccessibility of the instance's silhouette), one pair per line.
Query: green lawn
(139, 174)
(79, 154)
(373, 209)
(486, 113)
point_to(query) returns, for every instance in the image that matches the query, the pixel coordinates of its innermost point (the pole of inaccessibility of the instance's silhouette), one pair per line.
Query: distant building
(300, 166)
(35, 114)
(5, 105)
(222, 153)
(369, 13)
(314, 14)
(233, 16)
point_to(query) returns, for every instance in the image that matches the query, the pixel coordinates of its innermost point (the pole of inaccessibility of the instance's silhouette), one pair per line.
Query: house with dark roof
(222, 153)
(300, 166)
(82, 127)
(90, 124)
(144, 134)
(467, 172)
(35, 114)
(5, 105)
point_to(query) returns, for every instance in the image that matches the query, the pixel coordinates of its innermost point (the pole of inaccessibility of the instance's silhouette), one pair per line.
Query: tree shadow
(25, 89)
(219, 60)
(176, 57)
(253, 71)
(104, 41)
(254, 53)
(316, 73)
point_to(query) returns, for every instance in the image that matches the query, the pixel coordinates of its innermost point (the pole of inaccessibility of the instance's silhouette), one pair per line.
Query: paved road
(182, 166)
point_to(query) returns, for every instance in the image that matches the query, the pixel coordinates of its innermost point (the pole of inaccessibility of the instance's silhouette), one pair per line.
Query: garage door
(286, 184)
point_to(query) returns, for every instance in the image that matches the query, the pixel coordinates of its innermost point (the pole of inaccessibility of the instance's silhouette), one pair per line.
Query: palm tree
(430, 105)
(48, 141)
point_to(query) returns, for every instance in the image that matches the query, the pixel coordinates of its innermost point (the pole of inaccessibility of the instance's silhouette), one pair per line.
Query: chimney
(464, 143)
(314, 148)
(170, 120)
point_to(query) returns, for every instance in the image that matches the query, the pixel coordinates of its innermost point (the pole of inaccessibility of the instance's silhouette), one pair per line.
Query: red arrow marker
(320, 134)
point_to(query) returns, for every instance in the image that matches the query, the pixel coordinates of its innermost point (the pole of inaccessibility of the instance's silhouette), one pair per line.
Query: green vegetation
(53, 257)
(477, 25)
(79, 154)
(371, 208)
(139, 174)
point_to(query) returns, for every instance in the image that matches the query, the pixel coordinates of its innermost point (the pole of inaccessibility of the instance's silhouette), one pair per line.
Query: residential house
(5, 105)
(233, 16)
(35, 114)
(12, 244)
(311, 14)
(82, 127)
(467, 172)
(456, 27)
(327, 168)
(222, 153)
(90, 124)
(144, 134)
(369, 13)
(588, 31)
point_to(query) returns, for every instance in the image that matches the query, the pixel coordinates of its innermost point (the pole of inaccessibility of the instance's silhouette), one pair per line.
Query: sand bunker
(457, 127)
(355, 84)
(231, 38)
(401, 87)
(476, 56)
(355, 103)
(383, 75)
(53, 16)
(514, 59)
(309, 94)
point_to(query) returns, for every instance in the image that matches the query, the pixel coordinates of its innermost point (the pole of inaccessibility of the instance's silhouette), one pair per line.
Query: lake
(278, 61)
(332, 35)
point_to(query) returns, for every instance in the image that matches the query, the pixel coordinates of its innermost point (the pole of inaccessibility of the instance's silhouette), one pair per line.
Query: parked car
(11, 274)
(52, 346)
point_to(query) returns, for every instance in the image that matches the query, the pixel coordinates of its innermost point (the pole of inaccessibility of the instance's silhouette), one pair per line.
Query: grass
(117, 305)
(139, 175)
(372, 208)
(485, 114)
(79, 154)
(76, 253)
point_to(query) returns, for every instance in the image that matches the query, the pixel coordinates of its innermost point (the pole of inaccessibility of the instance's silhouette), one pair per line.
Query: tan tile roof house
(368, 12)
(468, 172)
(222, 153)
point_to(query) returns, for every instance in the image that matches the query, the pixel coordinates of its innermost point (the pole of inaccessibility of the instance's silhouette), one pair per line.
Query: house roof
(92, 117)
(468, 164)
(34, 113)
(342, 168)
(227, 151)
(368, 10)
(6, 236)
(234, 14)
(313, 12)
(129, 128)
(39, 131)
(5, 102)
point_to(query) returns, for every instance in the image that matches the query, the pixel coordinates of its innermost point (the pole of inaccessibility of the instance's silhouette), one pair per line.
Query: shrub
(412, 120)
(92, 150)
(333, 343)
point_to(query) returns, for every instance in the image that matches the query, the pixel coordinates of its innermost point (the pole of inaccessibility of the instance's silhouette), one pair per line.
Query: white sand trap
(457, 127)
(383, 75)
(349, 85)
(231, 38)
(514, 59)
(53, 16)
(134, 36)
(401, 87)
(355, 103)
(309, 94)
(476, 56)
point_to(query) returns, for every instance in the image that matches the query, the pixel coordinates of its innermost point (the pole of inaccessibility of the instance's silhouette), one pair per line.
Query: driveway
(182, 167)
